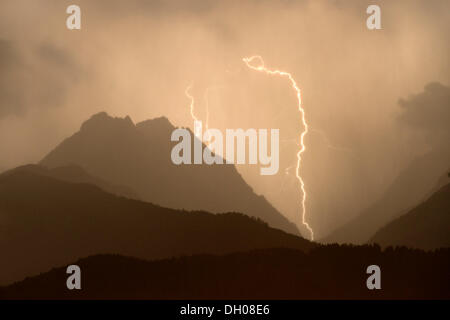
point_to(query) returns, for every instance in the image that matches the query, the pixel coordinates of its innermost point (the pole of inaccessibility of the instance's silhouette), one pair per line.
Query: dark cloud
(428, 110)
(51, 54)
(11, 101)
(8, 58)
(40, 78)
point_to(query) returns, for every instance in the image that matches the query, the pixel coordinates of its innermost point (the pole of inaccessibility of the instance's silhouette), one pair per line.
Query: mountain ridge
(138, 157)
(61, 221)
(425, 226)
(411, 187)
(326, 272)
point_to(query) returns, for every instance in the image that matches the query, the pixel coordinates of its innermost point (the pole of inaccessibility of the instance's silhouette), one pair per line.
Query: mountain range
(110, 196)
(427, 226)
(415, 184)
(138, 156)
(47, 221)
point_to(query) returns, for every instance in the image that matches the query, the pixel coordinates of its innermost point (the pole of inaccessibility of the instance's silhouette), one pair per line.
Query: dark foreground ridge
(46, 222)
(328, 272)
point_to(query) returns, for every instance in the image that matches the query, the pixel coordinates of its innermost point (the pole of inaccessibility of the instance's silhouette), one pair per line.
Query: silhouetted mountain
(77, 174)
(138, 156)
(427, 226)
(46, 221)
(443, 180)
(410, 188)
(330, 272)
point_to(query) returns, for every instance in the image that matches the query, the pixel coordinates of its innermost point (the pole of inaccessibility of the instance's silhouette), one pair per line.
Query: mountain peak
(160, 125)
(103, 120)
(139, 157)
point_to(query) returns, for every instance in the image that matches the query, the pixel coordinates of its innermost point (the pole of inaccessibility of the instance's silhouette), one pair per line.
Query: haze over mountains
(47, 222)
(138, 157)
(63, 221)
(76, 174)
(442, 181)
(414, 185)
(109, 198)
(427, 226)
(83, 201)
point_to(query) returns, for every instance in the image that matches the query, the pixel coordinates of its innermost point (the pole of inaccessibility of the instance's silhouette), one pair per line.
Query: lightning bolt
(329, 145)
(207, 108)
(261, 68)
(191, 98)
(197, 122)
(207, 139)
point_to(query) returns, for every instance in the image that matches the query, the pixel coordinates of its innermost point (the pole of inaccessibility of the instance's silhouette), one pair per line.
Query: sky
(374, 99)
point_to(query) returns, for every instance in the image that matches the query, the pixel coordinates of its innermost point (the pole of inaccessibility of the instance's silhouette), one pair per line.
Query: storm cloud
(39, 79)
(428, 110)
